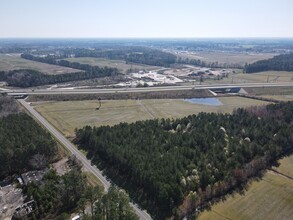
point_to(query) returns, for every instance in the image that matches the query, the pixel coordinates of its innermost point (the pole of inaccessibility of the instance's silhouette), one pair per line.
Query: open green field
(15, 62)
(68, 115)
(271, 198)
(119, 64)
(227, 57)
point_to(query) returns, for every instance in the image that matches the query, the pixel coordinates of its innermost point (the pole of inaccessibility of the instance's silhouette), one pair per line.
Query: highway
(144, 89)
(86, 163)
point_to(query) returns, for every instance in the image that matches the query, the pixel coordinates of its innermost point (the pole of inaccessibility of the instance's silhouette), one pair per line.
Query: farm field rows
(68, 115)
(14, 61)
(270, 198)
(119, 64)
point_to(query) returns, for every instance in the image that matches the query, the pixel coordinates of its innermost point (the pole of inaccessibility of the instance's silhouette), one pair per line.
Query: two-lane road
(86, 163)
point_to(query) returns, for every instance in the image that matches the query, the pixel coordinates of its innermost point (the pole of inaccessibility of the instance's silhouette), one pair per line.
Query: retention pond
(205, 101)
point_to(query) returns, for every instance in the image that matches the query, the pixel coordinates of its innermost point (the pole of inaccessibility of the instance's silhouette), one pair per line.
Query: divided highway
(147, 89)
(86, 163)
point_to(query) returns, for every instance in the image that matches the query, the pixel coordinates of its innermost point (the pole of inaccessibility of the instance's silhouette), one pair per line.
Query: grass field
(271, 198)
(262, 77)
(66, 116)
(14, 62)
(228, 57)
(119, 64)
(268, 76)
(280, 97)
(286, 167)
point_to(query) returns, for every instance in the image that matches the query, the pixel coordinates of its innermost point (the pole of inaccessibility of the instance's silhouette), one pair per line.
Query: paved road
(86, 163)
(147, 89)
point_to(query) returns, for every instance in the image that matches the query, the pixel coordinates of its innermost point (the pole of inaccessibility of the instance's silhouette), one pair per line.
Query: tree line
(283, 62)
(142, 55)
(29, 77)
(166, 162)
(131, 54)
(201, 63)
(93, 70)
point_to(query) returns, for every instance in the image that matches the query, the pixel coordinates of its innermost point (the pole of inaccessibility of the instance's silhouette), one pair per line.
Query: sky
(146, 18)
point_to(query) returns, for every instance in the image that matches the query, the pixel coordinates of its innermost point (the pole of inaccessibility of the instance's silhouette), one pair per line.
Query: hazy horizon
(134, 19)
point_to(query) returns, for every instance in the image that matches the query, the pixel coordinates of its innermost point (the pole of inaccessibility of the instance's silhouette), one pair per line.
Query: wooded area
(60, 195)
(163, 162)
(8, 106)
(283, 62)
(21, 141)
(142, 55)
(28, 77)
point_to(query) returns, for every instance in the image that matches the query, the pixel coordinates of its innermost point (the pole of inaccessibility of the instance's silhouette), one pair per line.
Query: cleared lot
(14, 62)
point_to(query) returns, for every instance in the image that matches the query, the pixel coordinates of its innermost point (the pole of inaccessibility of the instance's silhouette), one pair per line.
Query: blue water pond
(205, 101)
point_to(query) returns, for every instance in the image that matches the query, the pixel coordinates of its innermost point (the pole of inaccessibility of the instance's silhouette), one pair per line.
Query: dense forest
(143, 55)
(60, 195)
(22, 141)
(28, 77)
(8, 106)
(164, 163)
(283, 62)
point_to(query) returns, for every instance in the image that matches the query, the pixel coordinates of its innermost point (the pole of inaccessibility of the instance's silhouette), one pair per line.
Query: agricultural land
(268, 198)
(66, 116)
(121, 65)
(14, 62)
